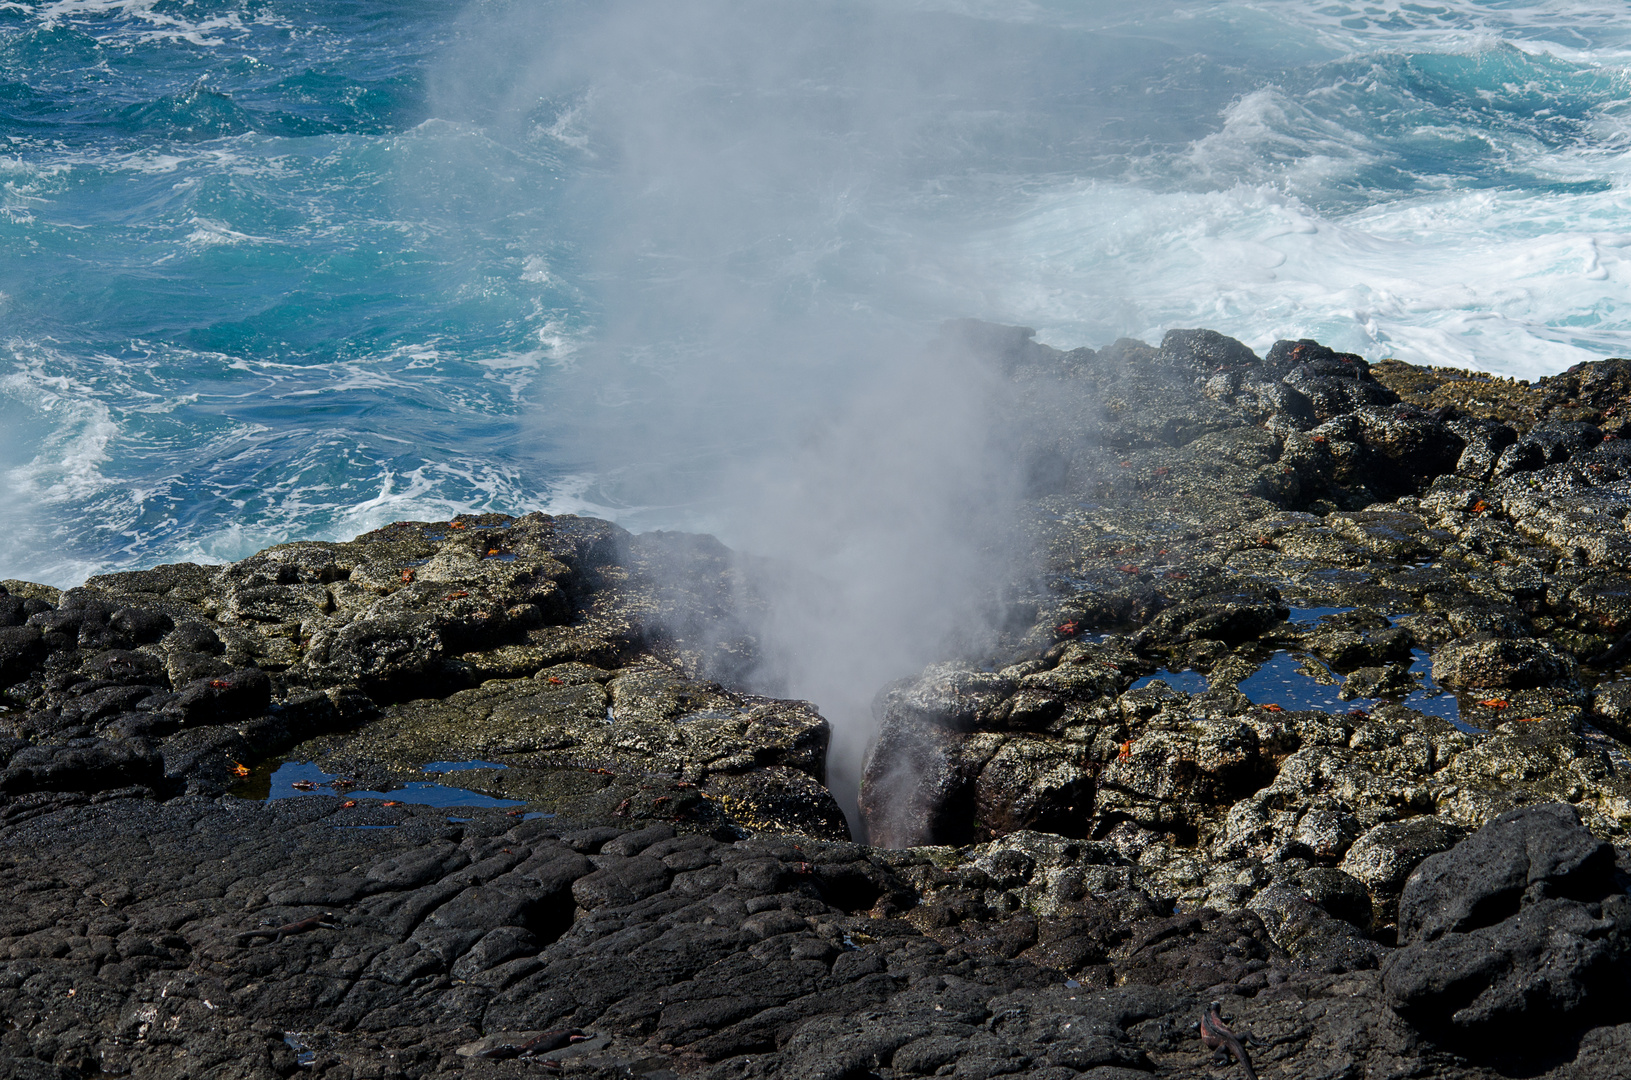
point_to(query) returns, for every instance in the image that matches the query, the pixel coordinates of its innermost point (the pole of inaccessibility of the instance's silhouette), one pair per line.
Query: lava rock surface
(1312, 701)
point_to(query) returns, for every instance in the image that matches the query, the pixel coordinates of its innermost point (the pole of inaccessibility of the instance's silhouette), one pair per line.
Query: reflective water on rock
(295, 778)
(1297, 681)
(1310, 615)
(1186, 681)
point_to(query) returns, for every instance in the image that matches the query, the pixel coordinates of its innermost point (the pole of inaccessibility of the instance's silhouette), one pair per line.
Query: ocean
(276, 269)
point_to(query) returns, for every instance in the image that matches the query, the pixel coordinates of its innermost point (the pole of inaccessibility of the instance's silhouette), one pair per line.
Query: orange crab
(1274, 708)
(407, 577)
(1495, 703)
(1126, 750)
(1480, 506)
(239, 769)
(1068, 629)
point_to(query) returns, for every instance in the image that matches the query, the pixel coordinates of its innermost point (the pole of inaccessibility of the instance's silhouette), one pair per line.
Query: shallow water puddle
(295, 778)
(1308, 616)
(1185, 681)
(1284, 680)
(1431, 698)
(296, 1042)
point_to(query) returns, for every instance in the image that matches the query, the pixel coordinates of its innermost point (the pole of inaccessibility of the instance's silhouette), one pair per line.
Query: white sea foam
(666, 236)
(1519, 284)
(57, 440)
(1519, 278)
(209, 233)
(320, 511)
(156, 20)
(1576, 28)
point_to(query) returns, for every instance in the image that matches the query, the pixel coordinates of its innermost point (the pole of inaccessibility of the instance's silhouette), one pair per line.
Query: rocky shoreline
(1308, 699)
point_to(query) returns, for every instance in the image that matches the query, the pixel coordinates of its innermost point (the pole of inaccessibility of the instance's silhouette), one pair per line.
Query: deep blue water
(273, 269)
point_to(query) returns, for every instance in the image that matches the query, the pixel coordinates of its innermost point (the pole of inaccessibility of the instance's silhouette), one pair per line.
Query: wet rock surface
(1314, 706)
(559, 649)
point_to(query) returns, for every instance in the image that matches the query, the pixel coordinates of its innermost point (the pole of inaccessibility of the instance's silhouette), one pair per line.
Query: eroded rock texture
(229, 938)
(1271, 539)
(1313, 705)
(567, 649)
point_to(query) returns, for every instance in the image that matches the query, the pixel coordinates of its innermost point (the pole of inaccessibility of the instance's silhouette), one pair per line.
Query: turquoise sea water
(273, 269)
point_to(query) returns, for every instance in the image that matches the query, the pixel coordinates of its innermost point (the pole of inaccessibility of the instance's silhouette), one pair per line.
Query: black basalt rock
(1065, 869)
(242, 693)
(1514, 937)
(1205, 351)
(1548, 444)
(82, 765)
(22, 650)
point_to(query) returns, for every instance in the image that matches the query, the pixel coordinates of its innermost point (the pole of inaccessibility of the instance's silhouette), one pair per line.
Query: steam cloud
(762, 243)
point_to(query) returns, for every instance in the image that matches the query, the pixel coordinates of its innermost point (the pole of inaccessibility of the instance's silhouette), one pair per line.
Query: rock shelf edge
(1404, 858)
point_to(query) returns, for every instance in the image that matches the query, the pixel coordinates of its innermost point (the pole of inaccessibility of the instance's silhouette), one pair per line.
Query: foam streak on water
(273, 269)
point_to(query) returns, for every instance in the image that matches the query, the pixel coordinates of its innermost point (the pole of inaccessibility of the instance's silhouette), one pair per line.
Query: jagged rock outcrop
(557, 645)
(1313, 705)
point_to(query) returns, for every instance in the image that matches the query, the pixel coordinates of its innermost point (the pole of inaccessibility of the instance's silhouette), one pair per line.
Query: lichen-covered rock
(1268, 546)
(1611, 709)
(1384, 856)
(1502, 662)
(1297, 915)
(442, 625)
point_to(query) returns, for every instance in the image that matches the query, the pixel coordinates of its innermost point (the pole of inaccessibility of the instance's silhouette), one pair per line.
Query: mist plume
(748, 375)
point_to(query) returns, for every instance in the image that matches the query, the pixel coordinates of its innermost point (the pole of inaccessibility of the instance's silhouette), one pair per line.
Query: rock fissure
(1311, 706)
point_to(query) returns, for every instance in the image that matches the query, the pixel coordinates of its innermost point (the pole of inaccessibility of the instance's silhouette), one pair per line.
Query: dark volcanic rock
(1498, 662)
(1384, 857)
(419, 642)
(235, 939)
(1521, 925)
(1309, 700)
